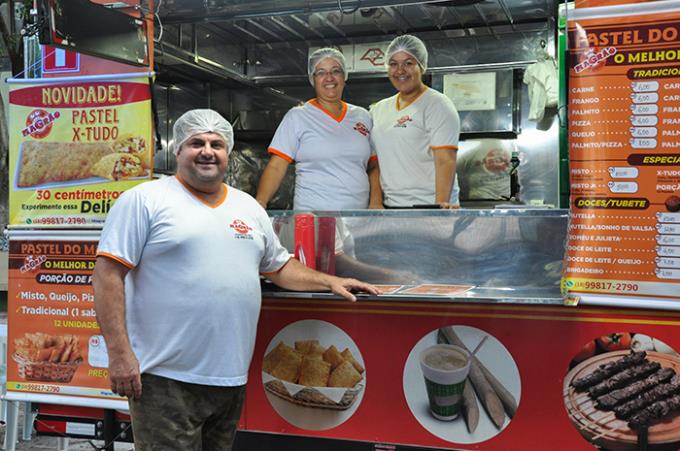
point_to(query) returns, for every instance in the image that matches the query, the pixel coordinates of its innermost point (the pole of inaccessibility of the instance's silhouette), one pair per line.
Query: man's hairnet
(321, 54)
(411, 45)
(194, 122)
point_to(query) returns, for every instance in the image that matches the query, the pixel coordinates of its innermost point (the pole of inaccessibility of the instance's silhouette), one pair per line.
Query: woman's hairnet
(411, 45)
(321, 54)
(201, 121)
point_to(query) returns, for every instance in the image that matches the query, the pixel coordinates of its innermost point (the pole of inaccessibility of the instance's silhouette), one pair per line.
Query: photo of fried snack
(313, 374)
(118, 166)
(135, 145)
(44, 357)
(315, 370)
(306, 365)
(46, 162)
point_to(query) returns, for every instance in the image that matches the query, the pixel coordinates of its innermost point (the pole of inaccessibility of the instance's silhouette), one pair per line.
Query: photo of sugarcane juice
(445, 369)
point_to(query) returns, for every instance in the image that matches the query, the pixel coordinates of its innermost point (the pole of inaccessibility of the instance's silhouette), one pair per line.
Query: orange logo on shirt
(361, 128)
(240, 227)
(402, 121)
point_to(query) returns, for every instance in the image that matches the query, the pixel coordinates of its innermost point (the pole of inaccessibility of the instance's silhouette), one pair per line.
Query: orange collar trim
(399, 108)
(338, 118)
(198, 196)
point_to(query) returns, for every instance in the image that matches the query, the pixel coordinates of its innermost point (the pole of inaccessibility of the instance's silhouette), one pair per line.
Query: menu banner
(624, 144)
(75, 146)
(382, 371)
(55, 347)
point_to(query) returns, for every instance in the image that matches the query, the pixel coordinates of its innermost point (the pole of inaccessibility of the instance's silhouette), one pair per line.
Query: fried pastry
(316, 352)
(345, 375)
(333, 356)
(347, 355)
(305, 346)
(288, 368)
(118, 166)
(273, 357)
(45, 162)
(134, 145)
(314, 372)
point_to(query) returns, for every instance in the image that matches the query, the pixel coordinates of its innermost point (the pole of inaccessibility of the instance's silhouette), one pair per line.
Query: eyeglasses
(336, 73)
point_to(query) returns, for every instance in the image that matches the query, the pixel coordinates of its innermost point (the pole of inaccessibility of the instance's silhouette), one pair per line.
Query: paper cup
(445, 368)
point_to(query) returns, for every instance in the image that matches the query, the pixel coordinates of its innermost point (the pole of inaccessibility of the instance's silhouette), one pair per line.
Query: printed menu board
(75, 146)
(624, 142)
(55, 347)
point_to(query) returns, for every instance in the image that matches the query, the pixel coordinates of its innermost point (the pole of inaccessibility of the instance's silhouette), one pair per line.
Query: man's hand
(296, 276)
(124, 374)
(345, 287)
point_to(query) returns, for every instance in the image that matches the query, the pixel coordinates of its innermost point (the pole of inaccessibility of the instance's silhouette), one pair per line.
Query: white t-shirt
(404, 140)
(192, 296)
(330, 155)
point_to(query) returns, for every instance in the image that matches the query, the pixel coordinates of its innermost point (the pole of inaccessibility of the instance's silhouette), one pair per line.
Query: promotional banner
(55, 350)
(75, 146)
(624, 141)
(450, 375)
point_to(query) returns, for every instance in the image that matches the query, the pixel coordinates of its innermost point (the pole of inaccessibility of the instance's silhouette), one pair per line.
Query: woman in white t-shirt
(414, 134)
(327, 140)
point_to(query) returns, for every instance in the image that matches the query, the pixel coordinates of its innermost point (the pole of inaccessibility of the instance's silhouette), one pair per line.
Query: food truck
(542, 313)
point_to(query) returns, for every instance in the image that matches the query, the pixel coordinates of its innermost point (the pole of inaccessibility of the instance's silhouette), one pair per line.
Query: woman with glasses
(415, 134)
(327, 140)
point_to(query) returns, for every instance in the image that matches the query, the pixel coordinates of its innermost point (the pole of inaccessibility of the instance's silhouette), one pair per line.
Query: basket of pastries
(45, 357)
(313, 375)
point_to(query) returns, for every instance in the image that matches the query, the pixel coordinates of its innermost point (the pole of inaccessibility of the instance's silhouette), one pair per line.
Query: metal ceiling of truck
(245, 22)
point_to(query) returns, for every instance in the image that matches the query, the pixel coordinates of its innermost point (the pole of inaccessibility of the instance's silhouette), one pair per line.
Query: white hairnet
(411, 45)
(321, 54)
(194, 122)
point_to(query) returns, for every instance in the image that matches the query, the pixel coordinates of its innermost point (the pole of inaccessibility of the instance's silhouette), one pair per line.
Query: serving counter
(490, 279)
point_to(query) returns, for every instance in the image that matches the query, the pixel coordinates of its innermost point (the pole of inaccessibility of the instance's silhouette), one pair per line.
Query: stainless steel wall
(278, 73)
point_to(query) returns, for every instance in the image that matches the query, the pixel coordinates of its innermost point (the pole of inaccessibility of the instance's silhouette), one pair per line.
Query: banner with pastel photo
(75, 145)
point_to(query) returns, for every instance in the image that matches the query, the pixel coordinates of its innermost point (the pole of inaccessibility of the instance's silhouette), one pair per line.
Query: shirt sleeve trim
(269, 273)
(118, 259)
(373, 158)
(444, 147)
(278, 153)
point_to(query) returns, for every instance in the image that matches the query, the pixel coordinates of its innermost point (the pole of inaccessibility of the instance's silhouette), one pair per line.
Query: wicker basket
(311, 397)
(46, 371)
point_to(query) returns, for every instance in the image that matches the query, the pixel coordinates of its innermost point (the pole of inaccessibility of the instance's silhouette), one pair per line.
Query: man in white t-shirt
(177, 292)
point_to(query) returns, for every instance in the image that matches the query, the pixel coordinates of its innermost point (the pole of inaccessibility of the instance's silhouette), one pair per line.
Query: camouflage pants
(173, 415)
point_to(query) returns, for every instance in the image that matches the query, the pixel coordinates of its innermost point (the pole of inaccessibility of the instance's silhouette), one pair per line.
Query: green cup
(445, 368)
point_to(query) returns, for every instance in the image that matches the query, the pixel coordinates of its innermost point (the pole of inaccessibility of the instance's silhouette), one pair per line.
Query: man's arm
(108, 282)
(296, 276)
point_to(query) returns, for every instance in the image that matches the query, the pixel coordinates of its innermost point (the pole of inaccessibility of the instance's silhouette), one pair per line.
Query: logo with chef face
(361, 128)
(403, 121)
(242, 229)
